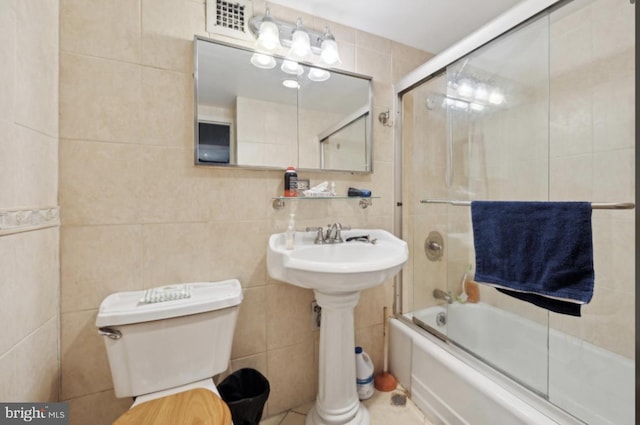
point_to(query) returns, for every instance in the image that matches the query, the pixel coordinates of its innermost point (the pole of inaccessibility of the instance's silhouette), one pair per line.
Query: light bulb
(291, 84)
(300, 43)
(268, 34)
(291, 67)
(329, 49)
(496, 97)
(317, 74)
(263, 61)
(481, 93)
(465, 88)
(269, 38)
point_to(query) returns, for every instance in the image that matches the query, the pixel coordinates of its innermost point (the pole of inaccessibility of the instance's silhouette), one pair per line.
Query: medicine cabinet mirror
(252, 113)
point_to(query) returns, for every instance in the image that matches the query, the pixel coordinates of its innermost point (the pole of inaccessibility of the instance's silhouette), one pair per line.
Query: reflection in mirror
(340, 146)
(214, 142)
(256, 110)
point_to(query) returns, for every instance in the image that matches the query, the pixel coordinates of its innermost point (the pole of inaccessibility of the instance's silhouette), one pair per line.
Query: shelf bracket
(365, 202)
(278, 204)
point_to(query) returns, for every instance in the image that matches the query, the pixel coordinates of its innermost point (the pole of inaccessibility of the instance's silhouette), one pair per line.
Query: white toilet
(165, 353)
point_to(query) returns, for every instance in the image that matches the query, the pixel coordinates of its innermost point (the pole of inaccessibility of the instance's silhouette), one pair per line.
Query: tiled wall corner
(29, 261)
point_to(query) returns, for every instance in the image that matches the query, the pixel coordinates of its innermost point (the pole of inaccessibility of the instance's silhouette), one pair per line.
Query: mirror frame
(368, 146)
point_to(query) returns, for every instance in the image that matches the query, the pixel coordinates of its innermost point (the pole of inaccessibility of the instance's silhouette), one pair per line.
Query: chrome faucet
(439, 294)
(334, 233)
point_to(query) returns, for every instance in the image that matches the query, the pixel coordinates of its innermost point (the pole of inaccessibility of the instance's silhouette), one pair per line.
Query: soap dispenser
(291, 232)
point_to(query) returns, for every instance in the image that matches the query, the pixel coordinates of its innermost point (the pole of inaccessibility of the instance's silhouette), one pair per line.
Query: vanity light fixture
(304, 44)
(471, 93)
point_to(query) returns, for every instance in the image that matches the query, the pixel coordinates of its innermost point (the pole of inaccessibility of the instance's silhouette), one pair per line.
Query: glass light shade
(291, 84)
(291, 67)
(476, 107)
(317, 74)
(465, 88)
(300, 45)
(496, 97)
(262, 61)
(329, 52)
(269, 38)
(482, 93)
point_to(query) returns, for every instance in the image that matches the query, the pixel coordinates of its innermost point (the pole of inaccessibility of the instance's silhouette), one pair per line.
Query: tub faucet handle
(439, 294)
(435, 246)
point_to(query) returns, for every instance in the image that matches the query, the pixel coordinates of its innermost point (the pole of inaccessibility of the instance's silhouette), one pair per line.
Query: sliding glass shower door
(497, 107)
(545, 112)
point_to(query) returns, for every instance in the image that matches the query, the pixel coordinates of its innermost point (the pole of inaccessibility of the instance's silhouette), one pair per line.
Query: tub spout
(439, 294)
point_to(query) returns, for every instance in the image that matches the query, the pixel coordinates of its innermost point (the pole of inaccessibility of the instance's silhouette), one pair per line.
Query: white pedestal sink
(337, 273)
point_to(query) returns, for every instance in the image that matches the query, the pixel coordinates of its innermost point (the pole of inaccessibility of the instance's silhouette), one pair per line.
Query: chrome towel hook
(385, 118)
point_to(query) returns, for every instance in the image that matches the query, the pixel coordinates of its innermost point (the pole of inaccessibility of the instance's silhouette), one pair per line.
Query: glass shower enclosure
(545, 112)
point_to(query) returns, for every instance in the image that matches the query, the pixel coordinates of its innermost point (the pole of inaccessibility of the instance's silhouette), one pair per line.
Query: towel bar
(594, 205)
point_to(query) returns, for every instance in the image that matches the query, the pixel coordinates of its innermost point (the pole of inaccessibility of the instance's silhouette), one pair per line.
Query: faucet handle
(320, 238)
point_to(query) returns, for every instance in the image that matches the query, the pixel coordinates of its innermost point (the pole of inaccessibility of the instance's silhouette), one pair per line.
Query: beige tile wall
(268, 136)
(593, 156)
(588, 154)
(137, 213)
(29, 261)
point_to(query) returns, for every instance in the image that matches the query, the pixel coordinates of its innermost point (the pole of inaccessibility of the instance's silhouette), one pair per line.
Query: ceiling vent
(230, 18)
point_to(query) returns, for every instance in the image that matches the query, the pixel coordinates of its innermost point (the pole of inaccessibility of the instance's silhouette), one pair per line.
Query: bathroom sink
(337, 272)
(340, 267)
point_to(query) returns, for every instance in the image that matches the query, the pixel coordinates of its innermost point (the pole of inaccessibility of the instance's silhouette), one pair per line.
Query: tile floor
(380, 408)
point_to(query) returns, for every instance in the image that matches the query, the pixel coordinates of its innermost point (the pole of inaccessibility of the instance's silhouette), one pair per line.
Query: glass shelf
(279, 201)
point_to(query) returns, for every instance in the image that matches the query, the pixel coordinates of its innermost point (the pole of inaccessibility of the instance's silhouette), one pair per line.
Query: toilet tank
(161, 345)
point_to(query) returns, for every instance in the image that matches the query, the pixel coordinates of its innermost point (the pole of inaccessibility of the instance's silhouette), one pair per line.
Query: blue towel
(539, 252)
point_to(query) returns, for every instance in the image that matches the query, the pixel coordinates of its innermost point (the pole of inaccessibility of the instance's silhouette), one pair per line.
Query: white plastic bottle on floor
(364, 374)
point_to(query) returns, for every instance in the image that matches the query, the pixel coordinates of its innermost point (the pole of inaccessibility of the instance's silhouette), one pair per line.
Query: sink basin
(334, 268)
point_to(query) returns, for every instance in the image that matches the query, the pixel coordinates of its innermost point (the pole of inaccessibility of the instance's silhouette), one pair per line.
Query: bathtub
(453, 387)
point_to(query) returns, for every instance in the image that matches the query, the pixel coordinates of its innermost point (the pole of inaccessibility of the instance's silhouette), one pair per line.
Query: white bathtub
(453, 387)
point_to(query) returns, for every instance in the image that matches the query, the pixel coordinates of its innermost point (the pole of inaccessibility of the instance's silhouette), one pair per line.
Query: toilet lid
(197, 406)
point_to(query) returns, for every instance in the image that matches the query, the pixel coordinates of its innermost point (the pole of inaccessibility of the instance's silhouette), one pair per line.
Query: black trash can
(245, 391)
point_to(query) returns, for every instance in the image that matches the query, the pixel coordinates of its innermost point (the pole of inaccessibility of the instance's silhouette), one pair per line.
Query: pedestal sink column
(337, 402)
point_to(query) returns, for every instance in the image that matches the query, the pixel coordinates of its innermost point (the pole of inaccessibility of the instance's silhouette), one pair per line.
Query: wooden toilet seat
(193, 407)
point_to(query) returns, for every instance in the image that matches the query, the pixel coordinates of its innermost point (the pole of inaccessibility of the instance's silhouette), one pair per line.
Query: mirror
(251, 113)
